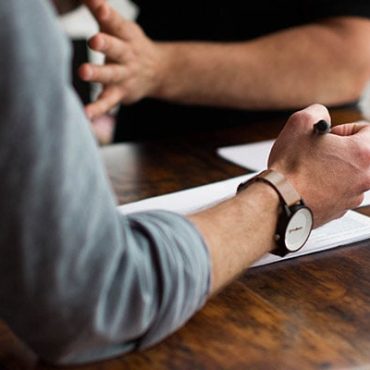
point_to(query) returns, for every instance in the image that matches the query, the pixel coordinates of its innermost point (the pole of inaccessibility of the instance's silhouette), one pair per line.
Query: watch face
(298, 229)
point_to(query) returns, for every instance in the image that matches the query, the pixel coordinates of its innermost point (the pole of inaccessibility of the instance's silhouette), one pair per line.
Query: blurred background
(80, 26)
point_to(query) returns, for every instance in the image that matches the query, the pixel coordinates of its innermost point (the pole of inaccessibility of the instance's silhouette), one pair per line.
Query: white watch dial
(298, 229)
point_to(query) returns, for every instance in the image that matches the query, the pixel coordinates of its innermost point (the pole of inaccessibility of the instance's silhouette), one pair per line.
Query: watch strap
(290, 204)
(279, 182)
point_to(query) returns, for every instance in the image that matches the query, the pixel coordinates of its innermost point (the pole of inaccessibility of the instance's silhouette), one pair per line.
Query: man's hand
(258, 74)
(132, 60)
(330, 171)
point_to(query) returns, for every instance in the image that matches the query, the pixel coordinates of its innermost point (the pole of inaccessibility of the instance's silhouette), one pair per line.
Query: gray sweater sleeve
(78, 280)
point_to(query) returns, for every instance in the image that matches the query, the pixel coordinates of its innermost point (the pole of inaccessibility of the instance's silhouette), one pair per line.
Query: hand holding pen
(330, 171)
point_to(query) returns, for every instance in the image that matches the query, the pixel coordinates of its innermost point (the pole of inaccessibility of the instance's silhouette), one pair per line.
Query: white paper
(350, 228)
(254, 157)
(191, 200)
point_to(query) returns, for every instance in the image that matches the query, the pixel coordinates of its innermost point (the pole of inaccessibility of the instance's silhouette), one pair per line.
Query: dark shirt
(216, 20)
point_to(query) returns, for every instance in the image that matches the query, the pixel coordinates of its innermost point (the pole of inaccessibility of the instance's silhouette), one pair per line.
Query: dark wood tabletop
(311, 312)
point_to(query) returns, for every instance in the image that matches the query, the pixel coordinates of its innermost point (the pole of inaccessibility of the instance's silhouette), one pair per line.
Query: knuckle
(310, 115)
(300, 117)
(362, 153)
(319, 108)
(358, 201)
(130, 26)
(132, 30)
(366, 184)
(106, 42)
(109, 78)
(112, 75)
(99, 40)
(121, 29)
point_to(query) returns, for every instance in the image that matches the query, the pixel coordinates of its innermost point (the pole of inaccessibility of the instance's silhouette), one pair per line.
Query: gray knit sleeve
(78, 280)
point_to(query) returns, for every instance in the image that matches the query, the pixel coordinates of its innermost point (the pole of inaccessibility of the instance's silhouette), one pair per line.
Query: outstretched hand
(330, 171)
(133, 61)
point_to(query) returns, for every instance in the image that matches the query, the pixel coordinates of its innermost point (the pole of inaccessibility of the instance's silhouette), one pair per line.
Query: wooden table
(307, 313)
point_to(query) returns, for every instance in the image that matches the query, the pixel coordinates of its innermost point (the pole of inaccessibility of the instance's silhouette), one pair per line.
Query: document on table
(350, 228)
(191, 200)
(254, 156)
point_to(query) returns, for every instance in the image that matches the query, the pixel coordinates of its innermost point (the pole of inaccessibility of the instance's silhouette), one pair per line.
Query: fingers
(350, 128)
(95, 6)
(108, 74)
(356, 136)
(114, 51)
(108, 99)
(110, 21)
(112, 47)
(91, 4)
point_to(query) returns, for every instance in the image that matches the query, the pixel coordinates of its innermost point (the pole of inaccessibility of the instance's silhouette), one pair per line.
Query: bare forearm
(238, 231)
(327, 62)
(324, 62)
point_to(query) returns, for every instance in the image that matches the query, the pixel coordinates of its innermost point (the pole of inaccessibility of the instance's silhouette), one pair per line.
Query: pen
(321, 127)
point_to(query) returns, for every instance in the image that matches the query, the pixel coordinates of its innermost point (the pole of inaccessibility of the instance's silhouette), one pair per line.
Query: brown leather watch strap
(279, 182)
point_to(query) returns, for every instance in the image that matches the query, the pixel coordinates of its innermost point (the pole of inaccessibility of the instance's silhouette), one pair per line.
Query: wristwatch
(295, 219)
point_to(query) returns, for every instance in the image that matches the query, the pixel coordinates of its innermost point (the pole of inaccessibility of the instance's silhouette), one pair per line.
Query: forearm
(239, 231)
(326, 62)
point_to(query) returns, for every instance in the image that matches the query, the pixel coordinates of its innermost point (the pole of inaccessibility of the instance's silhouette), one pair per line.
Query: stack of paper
(350, 228)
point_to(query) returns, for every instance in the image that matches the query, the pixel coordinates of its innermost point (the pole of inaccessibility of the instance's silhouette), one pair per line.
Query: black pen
(321, 127)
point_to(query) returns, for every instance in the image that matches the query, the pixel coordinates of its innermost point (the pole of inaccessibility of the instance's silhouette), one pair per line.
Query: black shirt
(216, 20)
